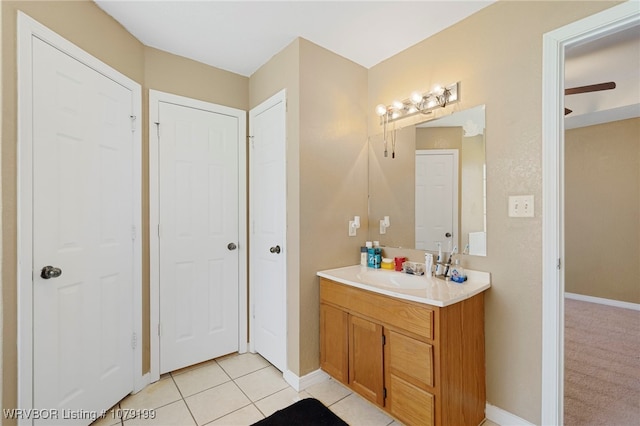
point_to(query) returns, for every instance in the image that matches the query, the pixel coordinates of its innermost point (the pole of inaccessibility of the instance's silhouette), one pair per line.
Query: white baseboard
(504, 418)
(600, 300)
(301, 383)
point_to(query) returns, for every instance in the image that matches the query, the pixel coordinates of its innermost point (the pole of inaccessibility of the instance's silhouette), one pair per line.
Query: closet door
(268, 222)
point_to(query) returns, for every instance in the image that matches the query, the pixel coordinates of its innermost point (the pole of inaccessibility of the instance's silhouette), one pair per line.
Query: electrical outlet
(352, 228)
(521, 206)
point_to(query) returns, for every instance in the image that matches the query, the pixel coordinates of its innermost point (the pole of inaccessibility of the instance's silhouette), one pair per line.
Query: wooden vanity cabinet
(421, 363)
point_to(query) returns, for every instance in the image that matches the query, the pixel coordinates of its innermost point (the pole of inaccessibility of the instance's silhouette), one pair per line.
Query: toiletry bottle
(378, 257)
(364, 253)
(371, 257)
(457, 272)
(428, 264)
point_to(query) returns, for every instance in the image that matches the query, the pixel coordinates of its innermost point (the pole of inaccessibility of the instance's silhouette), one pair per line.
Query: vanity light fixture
(384, 224)
(353, 225)
(423, 103)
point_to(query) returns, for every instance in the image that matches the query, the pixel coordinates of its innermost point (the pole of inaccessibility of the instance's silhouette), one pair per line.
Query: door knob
(448, 235)
(275, 249)
(232, 246)
(49, 272)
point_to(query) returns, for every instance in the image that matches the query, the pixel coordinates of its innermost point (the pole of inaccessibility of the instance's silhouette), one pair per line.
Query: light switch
(521, 206)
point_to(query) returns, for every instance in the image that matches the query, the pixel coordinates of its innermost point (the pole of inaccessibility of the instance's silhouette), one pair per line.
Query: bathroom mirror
(431, 184)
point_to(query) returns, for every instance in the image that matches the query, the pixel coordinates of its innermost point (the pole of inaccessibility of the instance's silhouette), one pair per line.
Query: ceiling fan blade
(567, 111)
(591, 88)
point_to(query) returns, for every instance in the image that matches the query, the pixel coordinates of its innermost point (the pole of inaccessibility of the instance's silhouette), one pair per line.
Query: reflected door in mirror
(436, 199)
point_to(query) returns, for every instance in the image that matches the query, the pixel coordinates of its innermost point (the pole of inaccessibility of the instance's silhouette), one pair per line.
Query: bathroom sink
(392, 279)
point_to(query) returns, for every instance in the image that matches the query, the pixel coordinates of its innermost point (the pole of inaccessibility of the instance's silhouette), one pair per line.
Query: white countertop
(423, 289)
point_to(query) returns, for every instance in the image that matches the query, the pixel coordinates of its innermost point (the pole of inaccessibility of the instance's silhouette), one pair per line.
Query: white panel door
(268, 230)
(83, 225)
(436, 196)
(198, 215)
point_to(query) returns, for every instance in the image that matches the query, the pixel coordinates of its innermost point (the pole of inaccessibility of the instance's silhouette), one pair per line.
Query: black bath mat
(306, 412)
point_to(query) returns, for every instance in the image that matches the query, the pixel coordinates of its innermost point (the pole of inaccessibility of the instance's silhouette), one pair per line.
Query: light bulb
(438, 90)
(397, 105)
(416, 97)
(381, 110)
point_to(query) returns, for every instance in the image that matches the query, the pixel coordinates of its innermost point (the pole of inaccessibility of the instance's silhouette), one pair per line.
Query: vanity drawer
(410, 404)
(413, 317)
(410, 359)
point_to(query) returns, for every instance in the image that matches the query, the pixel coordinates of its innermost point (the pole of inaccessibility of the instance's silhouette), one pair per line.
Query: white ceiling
(240, 36)
(614, 57)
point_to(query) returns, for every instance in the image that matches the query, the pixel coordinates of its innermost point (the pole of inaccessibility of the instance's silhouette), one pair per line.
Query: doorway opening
(596, 26)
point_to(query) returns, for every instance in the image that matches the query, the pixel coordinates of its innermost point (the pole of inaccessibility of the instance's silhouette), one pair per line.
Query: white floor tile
(157, 394)
(280, 400)
(328, 392)
(216, 402)
(199, 379)
(357, 412)
(262, 383)
(240, 364)
(243, 417)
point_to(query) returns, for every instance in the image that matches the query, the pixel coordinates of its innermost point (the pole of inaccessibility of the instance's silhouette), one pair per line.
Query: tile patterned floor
(238, 389)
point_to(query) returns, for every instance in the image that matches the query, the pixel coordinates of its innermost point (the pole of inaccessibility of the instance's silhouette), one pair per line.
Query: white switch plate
(521, 206)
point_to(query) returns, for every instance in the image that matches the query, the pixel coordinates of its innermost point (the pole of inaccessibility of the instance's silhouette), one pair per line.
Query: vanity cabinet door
(365, 359)
(334, 342)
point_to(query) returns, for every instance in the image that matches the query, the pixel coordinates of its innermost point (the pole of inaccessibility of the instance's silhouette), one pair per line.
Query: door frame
(155, 97)
(27, 29)
(279, 97)
(455, 185)
(554, 44)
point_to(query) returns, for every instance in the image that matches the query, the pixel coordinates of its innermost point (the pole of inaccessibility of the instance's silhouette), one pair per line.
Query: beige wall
(326, 177)
(602, 210)
(87, 26)
(496, 54)
(472, 187)
(333, 179)
(392, 189)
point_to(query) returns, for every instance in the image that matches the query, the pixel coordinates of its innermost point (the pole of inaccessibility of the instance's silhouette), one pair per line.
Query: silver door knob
(49, 272)
(232, 246)
(275, 249)
(448, 235)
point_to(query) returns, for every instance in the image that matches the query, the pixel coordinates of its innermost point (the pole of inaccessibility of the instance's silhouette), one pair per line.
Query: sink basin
(392, 279)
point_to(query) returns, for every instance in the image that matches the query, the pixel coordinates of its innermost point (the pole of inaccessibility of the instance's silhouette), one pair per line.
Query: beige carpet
(601, 365)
